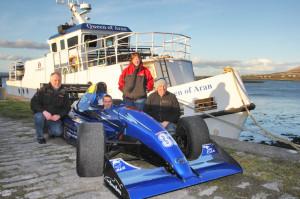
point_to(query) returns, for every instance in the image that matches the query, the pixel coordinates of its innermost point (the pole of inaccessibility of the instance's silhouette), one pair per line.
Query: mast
(85, 8)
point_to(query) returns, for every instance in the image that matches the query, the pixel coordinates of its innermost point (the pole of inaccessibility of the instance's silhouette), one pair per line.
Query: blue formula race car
(136, 155)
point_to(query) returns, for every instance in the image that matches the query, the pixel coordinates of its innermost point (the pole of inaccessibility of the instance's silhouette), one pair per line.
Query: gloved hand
(47, 115)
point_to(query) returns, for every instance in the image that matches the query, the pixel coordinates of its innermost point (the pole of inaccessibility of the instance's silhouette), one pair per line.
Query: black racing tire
(90, 150)
(192, 133)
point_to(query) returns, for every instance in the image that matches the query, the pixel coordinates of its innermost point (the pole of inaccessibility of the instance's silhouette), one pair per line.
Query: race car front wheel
(90, 150)
(192, 133)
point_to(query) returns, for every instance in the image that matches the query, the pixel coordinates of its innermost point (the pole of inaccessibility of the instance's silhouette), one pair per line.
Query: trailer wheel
(90, 150)
(192, 133)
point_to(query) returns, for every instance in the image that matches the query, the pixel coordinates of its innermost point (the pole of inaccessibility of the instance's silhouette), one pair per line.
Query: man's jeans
(55, 127)
(171, 128)
(139, 104)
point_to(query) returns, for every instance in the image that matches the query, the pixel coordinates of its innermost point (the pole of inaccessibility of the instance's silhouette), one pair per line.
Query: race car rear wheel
(90, 150)
(192, 132)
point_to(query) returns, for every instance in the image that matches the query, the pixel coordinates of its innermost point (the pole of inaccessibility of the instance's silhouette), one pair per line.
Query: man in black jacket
(49, 105)
(163, 106)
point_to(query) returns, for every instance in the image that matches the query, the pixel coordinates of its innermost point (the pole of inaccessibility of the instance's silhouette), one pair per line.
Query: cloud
(10, 57)
(266, 66)
(199, 62)
(27, 58)
(19, 43)
(14, 57)
(253, 66)
(211, 66)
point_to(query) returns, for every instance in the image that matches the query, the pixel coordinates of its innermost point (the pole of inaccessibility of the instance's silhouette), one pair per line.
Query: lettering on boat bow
(194, 89)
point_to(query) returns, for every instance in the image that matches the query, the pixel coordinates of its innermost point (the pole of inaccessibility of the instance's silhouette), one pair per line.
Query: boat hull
(226, 102)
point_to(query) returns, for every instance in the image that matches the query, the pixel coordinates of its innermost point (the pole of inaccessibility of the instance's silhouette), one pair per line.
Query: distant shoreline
(274, 78)
(291, 75)
(251, 79)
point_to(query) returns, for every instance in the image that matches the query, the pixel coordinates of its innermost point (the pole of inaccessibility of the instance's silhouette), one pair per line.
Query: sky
(252, 36)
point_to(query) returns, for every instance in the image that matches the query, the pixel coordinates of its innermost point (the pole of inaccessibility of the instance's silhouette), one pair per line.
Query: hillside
(295, 71)
(291, 75)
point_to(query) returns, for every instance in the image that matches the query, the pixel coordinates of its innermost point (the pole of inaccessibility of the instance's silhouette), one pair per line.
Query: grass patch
(258, 171)
(270, 170)
(16, 109)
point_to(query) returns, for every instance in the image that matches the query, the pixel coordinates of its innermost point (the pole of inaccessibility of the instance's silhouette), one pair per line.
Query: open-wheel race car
(137, 156)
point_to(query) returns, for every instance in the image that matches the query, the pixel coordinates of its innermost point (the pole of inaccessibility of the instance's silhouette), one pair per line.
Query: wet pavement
(32, 170)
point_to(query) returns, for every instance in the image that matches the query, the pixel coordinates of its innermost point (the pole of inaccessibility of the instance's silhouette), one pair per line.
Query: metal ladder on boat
(164, 70)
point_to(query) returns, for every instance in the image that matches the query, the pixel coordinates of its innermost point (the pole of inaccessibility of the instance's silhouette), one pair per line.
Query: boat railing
(117, 48)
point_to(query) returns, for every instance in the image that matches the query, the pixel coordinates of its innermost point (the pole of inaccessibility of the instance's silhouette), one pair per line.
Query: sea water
(4, 82)
(277, 109)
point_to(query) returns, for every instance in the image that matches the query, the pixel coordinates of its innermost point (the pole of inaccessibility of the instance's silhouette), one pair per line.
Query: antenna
(84, 7)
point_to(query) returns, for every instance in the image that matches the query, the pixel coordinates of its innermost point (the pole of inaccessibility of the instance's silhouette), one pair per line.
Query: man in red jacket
(135, 82)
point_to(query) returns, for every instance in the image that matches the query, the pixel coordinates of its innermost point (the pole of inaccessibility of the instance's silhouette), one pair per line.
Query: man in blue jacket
(49, 105)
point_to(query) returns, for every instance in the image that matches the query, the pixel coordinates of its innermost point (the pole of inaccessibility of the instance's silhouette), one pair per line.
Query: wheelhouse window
(89, 40)
(108, 41)
(53, 47)
(123, 43)
(62, 44)
(72, 41)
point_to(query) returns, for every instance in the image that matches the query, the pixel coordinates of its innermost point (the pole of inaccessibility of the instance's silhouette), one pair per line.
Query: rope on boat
(297, 147)
(268, 134)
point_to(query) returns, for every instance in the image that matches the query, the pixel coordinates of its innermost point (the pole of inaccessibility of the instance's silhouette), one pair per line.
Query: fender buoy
(166, 56)
(75, 59)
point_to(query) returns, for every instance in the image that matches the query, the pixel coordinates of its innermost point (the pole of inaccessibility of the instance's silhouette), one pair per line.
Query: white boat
(89, 53)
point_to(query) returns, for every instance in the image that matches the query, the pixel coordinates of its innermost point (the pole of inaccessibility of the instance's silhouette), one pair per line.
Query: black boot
(41, 141)
(50, 136)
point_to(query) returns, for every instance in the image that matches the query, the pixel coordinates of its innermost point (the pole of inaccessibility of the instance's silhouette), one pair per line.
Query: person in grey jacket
(163, 106)
(49, 105)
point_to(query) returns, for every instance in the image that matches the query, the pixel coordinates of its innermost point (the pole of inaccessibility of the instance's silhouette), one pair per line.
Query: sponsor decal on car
(117, 165)
(83, 99)
(166, 139)
(181, 160)
(132, 119)
(208, 149)
(114, 184)
(120, 165)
